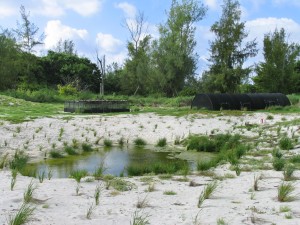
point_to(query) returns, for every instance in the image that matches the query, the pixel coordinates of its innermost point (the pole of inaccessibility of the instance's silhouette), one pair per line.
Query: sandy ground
(57, 202)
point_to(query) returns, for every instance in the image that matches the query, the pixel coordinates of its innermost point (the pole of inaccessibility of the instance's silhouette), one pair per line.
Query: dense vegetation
(165, 66)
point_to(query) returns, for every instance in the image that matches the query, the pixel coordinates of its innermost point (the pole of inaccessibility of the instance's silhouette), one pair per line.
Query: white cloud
(84, 8)
(259, 27)
(55, 31)
(56, 8)
(6, 11)
(212, 4)
(108, 43)
(129, 10)
(49, 8)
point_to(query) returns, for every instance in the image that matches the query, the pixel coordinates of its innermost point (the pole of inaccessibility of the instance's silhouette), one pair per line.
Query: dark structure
(97, 106)
(239, 101)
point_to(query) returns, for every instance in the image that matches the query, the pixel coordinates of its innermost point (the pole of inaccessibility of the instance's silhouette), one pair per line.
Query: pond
(115, 160)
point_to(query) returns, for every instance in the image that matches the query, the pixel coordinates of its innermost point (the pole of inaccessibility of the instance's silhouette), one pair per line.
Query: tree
(62, 68)
(278, 73)
(229, 51)
(137, 67)
(9, 62)
(174, 54)
(27, 32)
(66, 46)
(26, 36)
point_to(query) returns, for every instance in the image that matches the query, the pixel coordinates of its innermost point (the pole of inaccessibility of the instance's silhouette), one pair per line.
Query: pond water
(115, 160)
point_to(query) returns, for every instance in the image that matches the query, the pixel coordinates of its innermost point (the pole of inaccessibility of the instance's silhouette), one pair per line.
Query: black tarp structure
(239, 101)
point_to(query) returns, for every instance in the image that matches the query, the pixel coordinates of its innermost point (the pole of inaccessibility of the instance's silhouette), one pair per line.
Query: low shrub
(56, 154)
(162, 142)
(107, 143)
(286, 143)
(206, 164)
(70, 150)
(19, 161)
(139, 142)
(295, 159)
(87, 147)
(278, 164)
(156, 168)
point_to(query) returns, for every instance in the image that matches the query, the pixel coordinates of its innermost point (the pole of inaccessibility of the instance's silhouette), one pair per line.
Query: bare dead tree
(136, 28)
(101, 67)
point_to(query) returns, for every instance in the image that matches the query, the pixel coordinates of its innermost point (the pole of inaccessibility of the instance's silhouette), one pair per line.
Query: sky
(98, 25)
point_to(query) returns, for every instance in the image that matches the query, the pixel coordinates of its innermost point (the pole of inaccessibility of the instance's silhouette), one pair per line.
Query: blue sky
(96, 25)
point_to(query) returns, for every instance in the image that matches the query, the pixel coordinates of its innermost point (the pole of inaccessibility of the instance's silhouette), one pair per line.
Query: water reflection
(116, 160)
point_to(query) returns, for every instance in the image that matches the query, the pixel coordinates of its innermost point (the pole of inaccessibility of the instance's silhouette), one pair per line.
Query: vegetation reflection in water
(116, 161)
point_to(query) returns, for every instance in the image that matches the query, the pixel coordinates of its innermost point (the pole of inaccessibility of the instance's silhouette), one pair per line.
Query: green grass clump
(286, 143)
(13, 181)
(70, 150)
(277, 153)
(206, 164)
(217, 143)
(3, 161)
(29, 192)
(78, 175)
(99, 170)
(56, 154)
(87, 147)
(162, 142)
(22, 216)
(121, 185)
(295, 159)
(170, 193)
(285, 192)
(139, 142)
(288, 172)
(139, 218)
(19, 161)
(107, 143)
(207, 192)
(278, 164)
(156, 168)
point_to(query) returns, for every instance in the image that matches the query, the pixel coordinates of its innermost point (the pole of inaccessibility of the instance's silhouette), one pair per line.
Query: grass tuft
(207, 192)
(70, 150)
(139, 142)
(286, 143)
(56, 154)
(139, 218)
(285, 192)
(278, 164)
(86, 147)
(22, 216)
(78, 174)
(162, 142)
(29, 192)
(107, 143)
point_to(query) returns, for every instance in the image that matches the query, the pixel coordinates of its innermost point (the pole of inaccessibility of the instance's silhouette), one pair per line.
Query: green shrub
(201, 143)
(70, 150)
(162, 142)
(56, 154)
(206, 164)
(107, 143)
(286, 143)
(86, 147)
(285, 192)
(156, 168)
(295, 159)
(78, 174)
(277, 153)
(19, 161)
(139, 142)
(68, 89)
(278, 164)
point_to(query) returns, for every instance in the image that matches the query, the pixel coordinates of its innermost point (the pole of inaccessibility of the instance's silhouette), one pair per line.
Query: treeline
(164, 66)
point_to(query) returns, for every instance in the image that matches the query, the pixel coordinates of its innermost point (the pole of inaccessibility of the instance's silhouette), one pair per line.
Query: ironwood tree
(278, 72)
(229, 51)
(174, 52)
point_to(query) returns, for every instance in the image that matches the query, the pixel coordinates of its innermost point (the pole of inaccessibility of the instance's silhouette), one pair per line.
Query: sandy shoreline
(234, 202)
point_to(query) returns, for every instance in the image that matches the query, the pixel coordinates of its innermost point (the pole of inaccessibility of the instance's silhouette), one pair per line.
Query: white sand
(232, 201)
